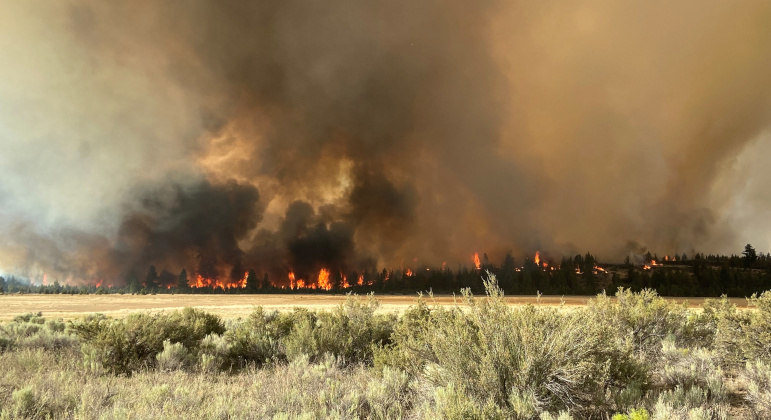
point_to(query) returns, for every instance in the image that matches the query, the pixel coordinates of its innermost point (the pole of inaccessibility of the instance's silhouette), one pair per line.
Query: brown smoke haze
(219, 136)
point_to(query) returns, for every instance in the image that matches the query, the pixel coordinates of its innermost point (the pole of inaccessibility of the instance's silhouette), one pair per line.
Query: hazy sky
(215, 135)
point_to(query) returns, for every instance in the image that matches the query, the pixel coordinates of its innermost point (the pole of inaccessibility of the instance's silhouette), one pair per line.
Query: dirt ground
(235, 306)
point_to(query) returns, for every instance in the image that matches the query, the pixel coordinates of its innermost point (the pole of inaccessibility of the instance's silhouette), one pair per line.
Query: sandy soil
(234, 306)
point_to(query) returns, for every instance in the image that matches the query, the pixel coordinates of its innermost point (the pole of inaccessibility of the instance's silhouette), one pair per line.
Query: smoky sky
(222, 135)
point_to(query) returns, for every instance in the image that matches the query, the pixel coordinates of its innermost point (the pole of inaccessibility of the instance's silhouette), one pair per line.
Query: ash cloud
(284, 135)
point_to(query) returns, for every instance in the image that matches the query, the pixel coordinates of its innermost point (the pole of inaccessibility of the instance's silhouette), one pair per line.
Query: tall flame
(537, 258)
(323, 282)
(477, 264)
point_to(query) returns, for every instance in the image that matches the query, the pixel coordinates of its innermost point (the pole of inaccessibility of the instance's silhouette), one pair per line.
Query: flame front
(200, 281)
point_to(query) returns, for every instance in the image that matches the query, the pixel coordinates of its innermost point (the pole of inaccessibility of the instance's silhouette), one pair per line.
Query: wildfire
(598, 269)
(646, 267)
(360, 282)
(291, 280)
(323, 282)
(345, 281)
(200, 281)
(477, 264)
(99, 284)
(537, 258)
(409, 273)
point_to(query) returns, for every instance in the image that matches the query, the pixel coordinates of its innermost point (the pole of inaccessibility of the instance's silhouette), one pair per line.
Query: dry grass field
(235, 306)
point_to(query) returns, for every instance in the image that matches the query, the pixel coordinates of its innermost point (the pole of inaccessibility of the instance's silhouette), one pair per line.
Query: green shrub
(33, 331)
(526, 360)
(127, 345)
(644, 319)
(387, 395)
(256, 340)
(173, 357)
(350, 333)
(756, 378)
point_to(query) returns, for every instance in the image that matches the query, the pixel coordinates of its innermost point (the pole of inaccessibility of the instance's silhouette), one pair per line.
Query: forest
(680, 275)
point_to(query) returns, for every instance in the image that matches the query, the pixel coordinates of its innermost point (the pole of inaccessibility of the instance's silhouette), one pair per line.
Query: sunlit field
(630, 356)
(235, 306)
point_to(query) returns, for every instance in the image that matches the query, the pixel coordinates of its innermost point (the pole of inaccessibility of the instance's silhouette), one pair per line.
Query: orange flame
(200, 281)
(345, 281)
(537, 258)
(409, 273)
(360, 282)
(598, 269)
(477, 264)
(291, 280)
(323, 282)
(646, 267)
(99, 283)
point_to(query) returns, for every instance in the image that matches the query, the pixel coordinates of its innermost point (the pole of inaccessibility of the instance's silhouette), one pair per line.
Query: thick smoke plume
(219, 136)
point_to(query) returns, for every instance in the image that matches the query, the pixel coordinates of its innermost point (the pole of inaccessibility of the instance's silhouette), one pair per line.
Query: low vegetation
(632, 356)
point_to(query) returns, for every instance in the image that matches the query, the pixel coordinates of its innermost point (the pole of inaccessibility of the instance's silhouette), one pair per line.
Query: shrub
(644, 319)
(127, 345)
(525, 360)
(637, 414)
(255, 340)
(173, 357)
(756, 377)
(350, 333)
(33, 331)
(387, 395)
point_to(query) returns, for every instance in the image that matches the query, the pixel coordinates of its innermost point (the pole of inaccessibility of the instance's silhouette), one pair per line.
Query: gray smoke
(218, 135)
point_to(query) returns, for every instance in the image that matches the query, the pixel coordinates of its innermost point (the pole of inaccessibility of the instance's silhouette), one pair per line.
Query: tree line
(699, 275)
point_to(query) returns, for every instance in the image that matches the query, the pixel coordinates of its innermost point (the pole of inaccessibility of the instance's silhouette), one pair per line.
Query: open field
(235, 306)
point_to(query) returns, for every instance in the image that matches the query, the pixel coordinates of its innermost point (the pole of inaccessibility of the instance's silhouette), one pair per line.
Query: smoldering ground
(300, 133)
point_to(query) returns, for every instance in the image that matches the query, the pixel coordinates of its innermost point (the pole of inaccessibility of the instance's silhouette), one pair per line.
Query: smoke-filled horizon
(219, 136)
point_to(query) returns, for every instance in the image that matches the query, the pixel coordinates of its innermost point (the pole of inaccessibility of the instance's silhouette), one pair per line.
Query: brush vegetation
(632, 356)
